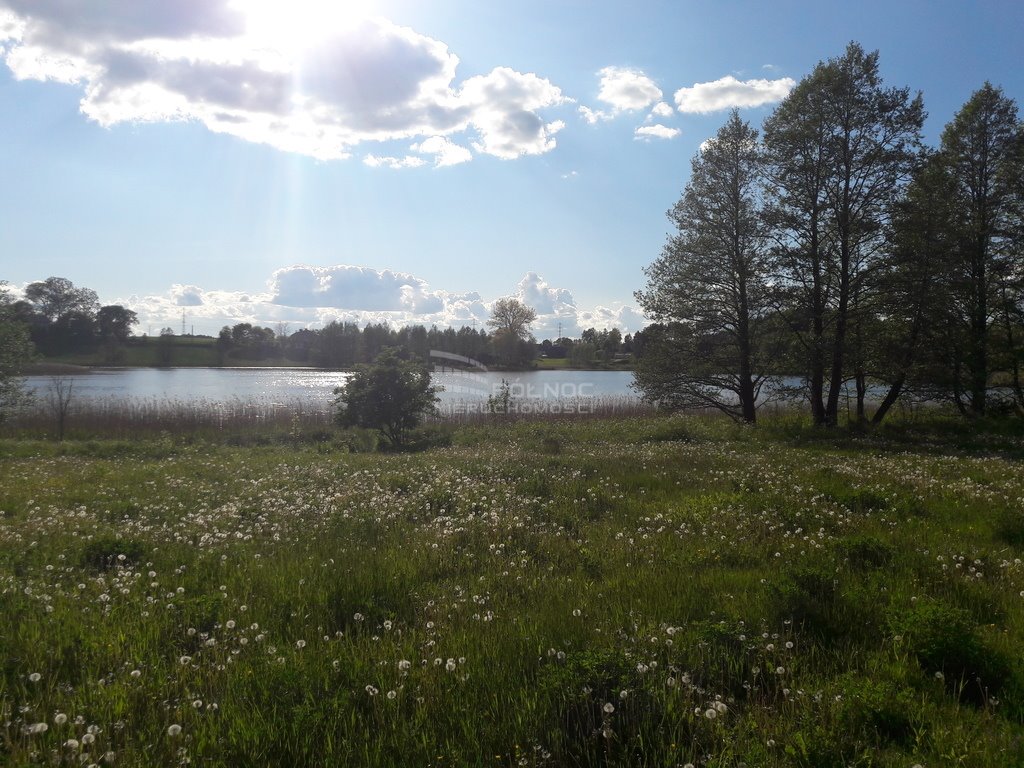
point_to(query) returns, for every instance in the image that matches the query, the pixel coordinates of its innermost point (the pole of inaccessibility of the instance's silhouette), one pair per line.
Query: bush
(391, 395)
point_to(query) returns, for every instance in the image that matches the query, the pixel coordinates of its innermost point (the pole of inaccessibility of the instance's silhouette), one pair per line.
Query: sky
(293, 163)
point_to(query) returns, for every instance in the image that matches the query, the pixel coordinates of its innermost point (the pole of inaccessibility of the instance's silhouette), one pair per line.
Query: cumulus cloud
(204, 60)
(187, 295)
(656, 131)
(301, 296)
(728, 92)
(377, 161)
(351, 287)
(445, 151)
(545, 299)
(593, 116)
(627, 89)
(661, 109)
(623, 89)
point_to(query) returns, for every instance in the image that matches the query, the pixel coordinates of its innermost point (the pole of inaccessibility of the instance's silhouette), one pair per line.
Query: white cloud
(661, 109)
(186, 295)
(624, 89)
(656, 131)
(504, 108)
(627, 89)
(351, 287)
(728, 92)
(593, 116)
(203, 60)
(445, 151)
(533, 291)
(378, 161)
(305, 296)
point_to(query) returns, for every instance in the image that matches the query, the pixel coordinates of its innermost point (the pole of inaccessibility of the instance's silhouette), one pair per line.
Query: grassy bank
(649, 592)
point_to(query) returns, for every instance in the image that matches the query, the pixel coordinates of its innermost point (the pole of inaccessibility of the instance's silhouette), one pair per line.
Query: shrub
(391, 395)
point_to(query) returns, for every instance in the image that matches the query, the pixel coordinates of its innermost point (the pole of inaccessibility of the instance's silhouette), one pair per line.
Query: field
(621, 592)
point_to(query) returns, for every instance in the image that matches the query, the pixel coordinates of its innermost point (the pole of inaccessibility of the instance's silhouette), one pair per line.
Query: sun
(298, 24)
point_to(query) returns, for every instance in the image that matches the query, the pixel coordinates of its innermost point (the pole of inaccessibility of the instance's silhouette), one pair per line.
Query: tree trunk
(895, 390)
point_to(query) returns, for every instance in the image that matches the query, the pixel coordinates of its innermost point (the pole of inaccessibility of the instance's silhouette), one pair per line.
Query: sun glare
(297, 24)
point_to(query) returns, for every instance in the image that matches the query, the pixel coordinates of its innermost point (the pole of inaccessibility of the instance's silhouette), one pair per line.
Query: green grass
(581, 593)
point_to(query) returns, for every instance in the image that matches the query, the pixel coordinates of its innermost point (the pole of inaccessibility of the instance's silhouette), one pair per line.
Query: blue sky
(234, 158)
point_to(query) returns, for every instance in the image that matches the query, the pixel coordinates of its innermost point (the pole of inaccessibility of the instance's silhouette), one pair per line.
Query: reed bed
(130, 417)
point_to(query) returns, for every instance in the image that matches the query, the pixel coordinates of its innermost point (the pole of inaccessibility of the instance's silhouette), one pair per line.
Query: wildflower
(35, 677)
(38, 728)
(185, 660)
(392, 695)
(88, 738)
(939, 676)
(450, 665)
(358, 617)
(230, 624)
(136, 673)
(71, 744)
(609, 708)
(577, 613)
(404, 665)
(710, 714)
(174, 730)
(300, 644)
(780, 670)
(197, 704)
(371, 690)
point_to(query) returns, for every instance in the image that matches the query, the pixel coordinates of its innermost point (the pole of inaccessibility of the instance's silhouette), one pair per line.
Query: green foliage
(392, 396)
(15, 352)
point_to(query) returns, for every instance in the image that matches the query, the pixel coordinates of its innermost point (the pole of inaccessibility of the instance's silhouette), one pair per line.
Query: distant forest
(66, 321)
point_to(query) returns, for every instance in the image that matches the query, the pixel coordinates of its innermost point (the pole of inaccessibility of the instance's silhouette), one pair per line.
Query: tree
(708, 287)
(114, 323)
(165, 346)
(15, 352)
(56, 296)
(983, 152)
(914, 279)
(390, 395)
(511, 316)
(838, 148)
(511, 319)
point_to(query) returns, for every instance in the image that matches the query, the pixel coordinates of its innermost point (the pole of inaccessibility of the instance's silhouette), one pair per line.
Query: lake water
(286, 385)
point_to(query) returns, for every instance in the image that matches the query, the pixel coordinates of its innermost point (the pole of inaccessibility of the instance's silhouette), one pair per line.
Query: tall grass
(576, 592)
(117, 417)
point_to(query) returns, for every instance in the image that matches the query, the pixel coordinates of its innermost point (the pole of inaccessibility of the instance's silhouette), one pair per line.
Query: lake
(189, 385)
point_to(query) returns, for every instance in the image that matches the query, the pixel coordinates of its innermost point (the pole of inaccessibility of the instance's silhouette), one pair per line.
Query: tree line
(61, 318)
(55, 317)
(833, 244)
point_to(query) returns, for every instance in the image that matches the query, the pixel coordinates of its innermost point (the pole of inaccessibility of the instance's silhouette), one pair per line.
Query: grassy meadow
(605, 592)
